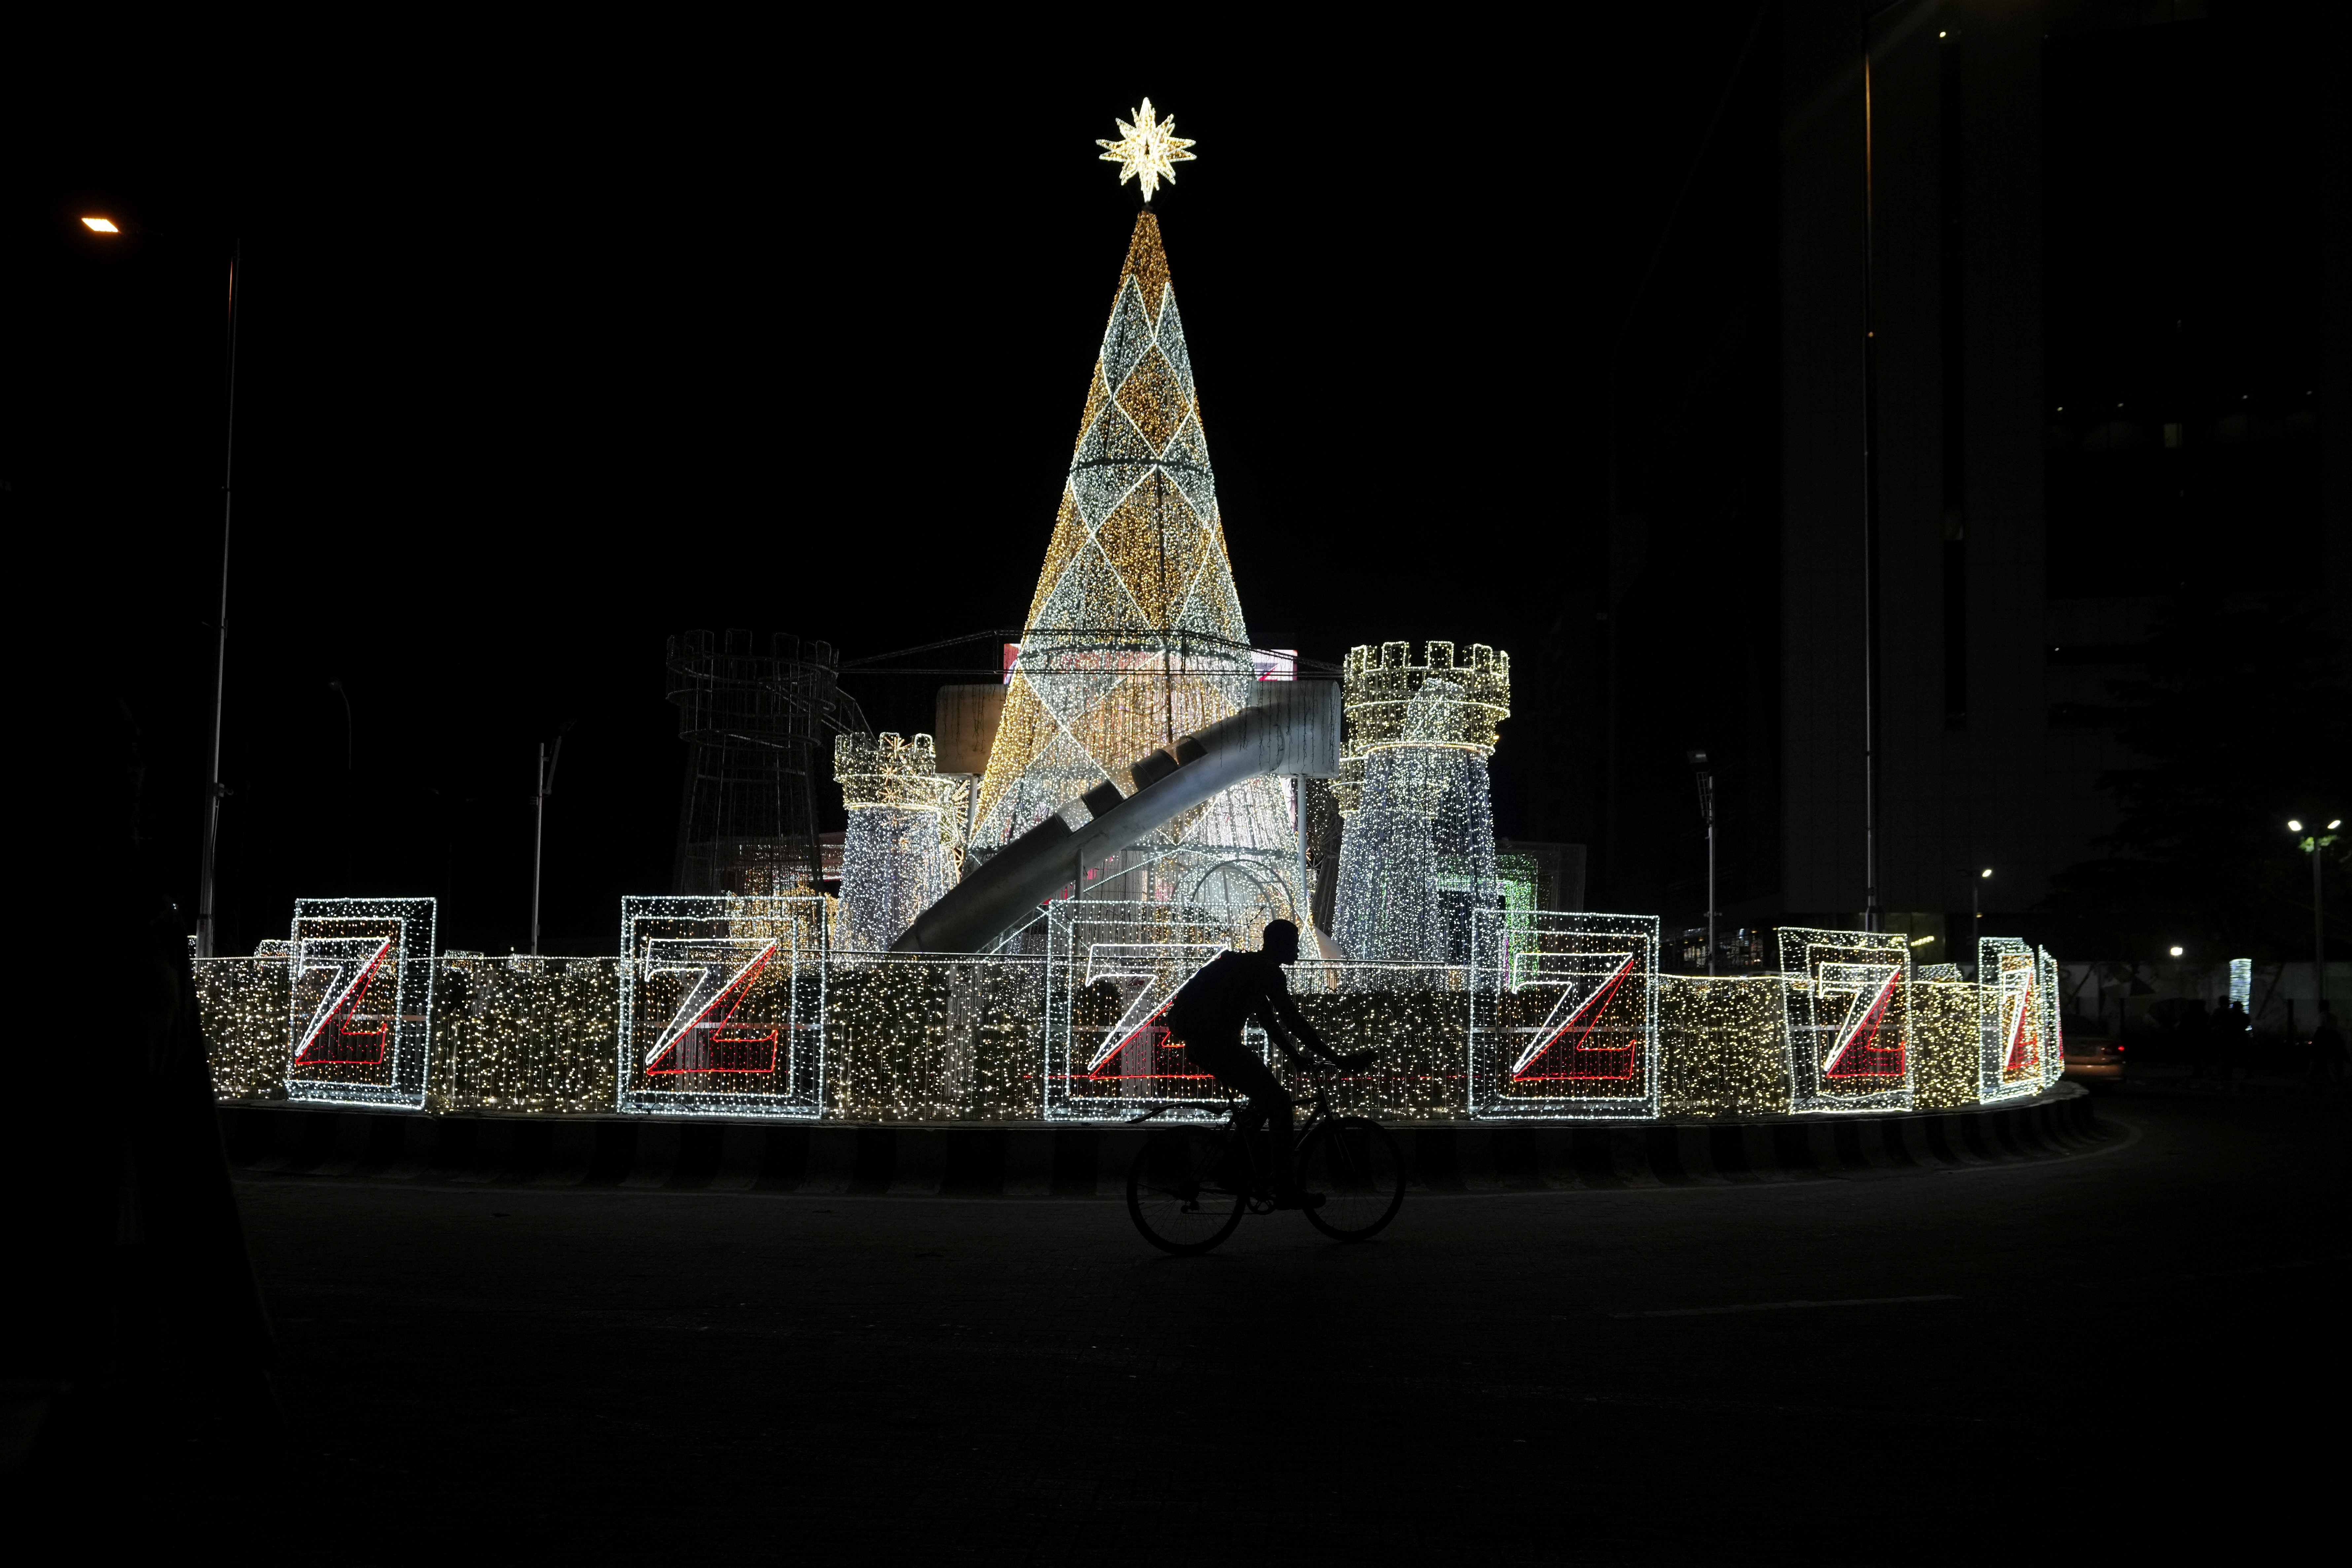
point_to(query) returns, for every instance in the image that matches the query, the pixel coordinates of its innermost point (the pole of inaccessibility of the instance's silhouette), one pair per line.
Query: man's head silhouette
(1281, 941)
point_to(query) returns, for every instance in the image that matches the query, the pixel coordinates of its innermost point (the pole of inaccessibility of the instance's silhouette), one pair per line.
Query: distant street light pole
(337, 688)
(208, 877)
(1706, 813)
(1976, 894)
(538, 821)
(207, 929)
(2313, 843)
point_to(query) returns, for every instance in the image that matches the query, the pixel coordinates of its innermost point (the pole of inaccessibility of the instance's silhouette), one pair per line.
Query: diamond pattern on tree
(1155, 532)
(1097, 395)
(1023, 732)
(1129, 335)
(1070, 536)
(1091, 598)
(1170, 337)
(1154, 400)
(1198, 486)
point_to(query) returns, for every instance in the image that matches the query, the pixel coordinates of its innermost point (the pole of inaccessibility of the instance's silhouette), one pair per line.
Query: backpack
(1201, 1003)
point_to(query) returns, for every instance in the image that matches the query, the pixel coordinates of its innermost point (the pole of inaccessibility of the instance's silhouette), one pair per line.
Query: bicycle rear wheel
(1186, 1189)
(1360, 1171)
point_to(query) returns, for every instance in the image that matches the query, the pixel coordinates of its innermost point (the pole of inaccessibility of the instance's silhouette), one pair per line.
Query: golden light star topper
(1148, 148)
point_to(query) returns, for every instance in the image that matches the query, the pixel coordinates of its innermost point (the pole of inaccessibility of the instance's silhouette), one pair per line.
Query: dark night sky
(532, 375)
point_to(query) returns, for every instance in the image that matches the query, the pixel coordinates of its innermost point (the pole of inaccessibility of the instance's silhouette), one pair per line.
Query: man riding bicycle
(1207, 1015)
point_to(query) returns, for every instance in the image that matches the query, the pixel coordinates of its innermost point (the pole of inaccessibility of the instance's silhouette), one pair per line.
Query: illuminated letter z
(700, 1027)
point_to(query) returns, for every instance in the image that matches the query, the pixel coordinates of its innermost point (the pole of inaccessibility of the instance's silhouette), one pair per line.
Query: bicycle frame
(1317, 1115)
(1320, 1112)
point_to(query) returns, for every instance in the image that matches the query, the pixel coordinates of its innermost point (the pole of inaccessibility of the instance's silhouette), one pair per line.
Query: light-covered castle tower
(904, 841)
(1417, 854)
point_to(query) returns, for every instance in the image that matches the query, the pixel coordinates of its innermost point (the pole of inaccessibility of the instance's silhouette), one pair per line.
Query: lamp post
(2313, 843)
(206, 926)
(337, 688)
(1706, 813)
(538, 821)
(1976, 892)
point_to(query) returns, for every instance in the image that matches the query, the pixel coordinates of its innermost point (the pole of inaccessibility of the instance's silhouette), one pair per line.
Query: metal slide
(1292, 727)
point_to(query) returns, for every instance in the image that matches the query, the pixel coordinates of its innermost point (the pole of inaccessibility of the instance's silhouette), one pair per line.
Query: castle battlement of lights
(991, 938)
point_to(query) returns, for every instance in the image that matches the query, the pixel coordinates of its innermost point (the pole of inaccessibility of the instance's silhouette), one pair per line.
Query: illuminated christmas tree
(1135, 637)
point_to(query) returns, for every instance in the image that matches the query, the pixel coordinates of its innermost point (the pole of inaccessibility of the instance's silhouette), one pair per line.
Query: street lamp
(1976, 892)
(337, 688)
(207, 934)
(538, 821)
(1707, 812)
(2313, 843)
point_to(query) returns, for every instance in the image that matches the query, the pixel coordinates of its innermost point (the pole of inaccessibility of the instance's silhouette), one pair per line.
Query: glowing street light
(2313, 843)
(2176, 950)
(1976, 892)
(208, 936)
(1706, 813)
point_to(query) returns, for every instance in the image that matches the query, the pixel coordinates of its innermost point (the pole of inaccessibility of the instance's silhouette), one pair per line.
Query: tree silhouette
(2240, 723)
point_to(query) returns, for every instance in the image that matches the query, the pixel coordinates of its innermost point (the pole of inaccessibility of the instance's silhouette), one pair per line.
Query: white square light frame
(1840, 993)
(1147, 950)
(689, 968)
(2013, 1021)
(342, 957)
(1544, 979)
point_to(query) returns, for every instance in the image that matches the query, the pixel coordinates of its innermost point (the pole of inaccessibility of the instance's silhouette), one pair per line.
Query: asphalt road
(2136, 1345)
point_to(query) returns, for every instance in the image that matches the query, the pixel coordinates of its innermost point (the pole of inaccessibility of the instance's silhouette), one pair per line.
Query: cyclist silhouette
(1207, 1015)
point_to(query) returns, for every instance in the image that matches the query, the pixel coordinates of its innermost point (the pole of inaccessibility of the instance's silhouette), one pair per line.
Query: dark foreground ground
(2137, 1349)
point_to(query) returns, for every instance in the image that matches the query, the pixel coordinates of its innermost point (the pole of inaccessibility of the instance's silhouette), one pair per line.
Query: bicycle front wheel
(1181, 1191)
(1360, 1171)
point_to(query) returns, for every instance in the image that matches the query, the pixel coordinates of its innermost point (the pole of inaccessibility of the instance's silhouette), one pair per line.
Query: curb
(645, 1154)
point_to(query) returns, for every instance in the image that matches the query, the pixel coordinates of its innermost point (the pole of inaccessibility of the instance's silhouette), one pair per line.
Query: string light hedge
(934, 1039)
(1416, 1021)
(244, 1003)
(1944, 1044)
(526, 1035)
(1723, 1048)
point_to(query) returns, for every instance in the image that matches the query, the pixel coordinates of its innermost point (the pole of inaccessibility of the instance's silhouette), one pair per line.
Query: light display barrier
(1070, 1034)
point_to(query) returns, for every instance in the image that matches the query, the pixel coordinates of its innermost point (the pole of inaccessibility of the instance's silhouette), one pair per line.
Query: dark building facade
(1877, 544)
(1912, 525)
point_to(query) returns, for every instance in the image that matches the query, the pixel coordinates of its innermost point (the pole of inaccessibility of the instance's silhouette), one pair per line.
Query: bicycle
(1190, 1185)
